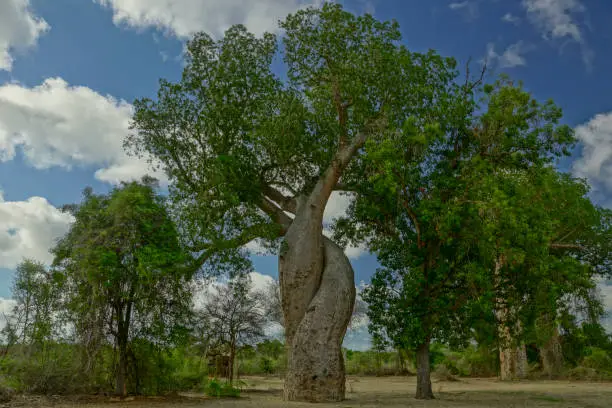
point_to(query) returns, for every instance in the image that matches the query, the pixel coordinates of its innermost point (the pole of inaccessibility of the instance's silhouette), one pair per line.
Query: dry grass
(384, 392)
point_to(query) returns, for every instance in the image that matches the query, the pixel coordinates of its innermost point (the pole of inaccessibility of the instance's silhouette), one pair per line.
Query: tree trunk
(520, 364)
(423, 390)
(121, 380)
(504, 337)
(123, 333)
(230, 367)
(552, 355)
(317, 295)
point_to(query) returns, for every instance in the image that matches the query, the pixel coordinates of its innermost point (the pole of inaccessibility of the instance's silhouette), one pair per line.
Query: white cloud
(512, 19)
(185, 17)
(468, 7)
(511, 57)
(595, 161)
(19, 29)
(29, 229)
(336, 206)
(459, 5)
(56, 124)
(556, 20)
(6, 307)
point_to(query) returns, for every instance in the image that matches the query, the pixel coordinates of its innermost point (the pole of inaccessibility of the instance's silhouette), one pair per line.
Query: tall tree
(423, 214)
(244, 148)
(121, 267)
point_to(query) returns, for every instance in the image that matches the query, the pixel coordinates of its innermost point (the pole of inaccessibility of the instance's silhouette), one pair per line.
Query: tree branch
(276, 213)
(567, 246)
(286, 203)
(343, 187)
(343, 156)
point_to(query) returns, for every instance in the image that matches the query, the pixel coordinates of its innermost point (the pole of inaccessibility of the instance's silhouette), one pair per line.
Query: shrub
(266, 365)
(598, 360)
(586, 374)
(442, 373)
(215, 388)
(6, 393)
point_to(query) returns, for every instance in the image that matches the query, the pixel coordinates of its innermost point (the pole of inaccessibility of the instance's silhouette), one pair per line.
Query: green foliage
(231, 133)
(475, 220)
(117, 274)
(598, 359)
(471, 362)
(215, 388)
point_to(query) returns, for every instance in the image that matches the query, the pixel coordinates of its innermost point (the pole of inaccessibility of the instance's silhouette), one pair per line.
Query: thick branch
(344, 187)
(286, 203)
(276, 213)
(209, 249)
(567, 246)
(330, 178)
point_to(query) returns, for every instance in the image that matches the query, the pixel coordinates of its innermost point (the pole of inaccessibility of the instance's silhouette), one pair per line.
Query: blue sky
(69, 70)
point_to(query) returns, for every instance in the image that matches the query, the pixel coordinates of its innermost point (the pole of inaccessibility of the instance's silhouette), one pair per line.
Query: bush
(266, 365)
(54, 371)
(6, 393)
(597, 359)
(587, 374)
(442, 373)
(215, 388)
(469, 362)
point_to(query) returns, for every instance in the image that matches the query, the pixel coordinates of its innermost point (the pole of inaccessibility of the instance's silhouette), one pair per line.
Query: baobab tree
(252, 155)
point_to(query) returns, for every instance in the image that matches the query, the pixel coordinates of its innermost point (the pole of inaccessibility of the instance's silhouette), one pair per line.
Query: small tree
(120, 265)
(234, 315)
(31, 319)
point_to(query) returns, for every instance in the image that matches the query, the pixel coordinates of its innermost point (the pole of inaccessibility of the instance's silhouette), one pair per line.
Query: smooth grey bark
(423, 390)
(317, 296)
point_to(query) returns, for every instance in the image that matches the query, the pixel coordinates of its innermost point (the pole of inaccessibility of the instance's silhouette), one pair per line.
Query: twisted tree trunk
(317, 296)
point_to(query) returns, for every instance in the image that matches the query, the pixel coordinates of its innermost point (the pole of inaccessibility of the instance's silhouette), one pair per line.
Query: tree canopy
(121, 272)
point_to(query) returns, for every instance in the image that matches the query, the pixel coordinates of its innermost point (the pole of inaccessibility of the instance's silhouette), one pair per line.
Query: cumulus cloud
(556, 20)
(595, 161)
(28, 229)
(185, 17)
(56, 124)
(19, 29)
(513, 56)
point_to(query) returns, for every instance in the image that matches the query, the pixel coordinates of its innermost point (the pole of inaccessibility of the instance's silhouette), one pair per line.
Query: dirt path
(390, 392)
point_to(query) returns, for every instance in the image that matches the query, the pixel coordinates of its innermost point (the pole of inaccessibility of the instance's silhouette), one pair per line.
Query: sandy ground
(383, 392)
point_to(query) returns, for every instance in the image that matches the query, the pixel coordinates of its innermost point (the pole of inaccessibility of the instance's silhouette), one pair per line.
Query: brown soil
(376, 392)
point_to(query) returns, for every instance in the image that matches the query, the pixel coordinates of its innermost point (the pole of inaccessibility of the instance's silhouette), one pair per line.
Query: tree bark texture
(317, 296)
(521, 367)
(121, 380)
(551, 355)
(512, 357)
(423, 390)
